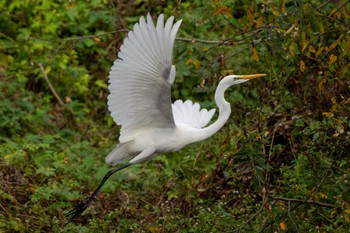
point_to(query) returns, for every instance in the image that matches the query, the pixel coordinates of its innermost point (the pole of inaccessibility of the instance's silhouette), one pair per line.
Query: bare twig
(291, 208)
(305, 202)
(253, 217)
(216, 42)
(81, 37)
(266, 224)
(291, 218)
(193, 40)
(93, 36)
(53, 91)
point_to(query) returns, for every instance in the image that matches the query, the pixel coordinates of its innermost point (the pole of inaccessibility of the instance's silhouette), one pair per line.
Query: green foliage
(280, 164)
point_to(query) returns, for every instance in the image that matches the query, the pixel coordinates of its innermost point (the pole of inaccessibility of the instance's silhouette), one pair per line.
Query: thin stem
(254, 216)
(306, 202)
(53, 91)
(60, 101)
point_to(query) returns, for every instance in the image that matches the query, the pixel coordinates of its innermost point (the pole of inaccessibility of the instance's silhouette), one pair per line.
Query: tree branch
(305, 202)
(218, 42)
(193, 40)
(254, 216)
(93, 36)
(53, 91)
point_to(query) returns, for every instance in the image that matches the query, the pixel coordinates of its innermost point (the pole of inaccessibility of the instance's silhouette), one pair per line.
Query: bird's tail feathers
(119, 154)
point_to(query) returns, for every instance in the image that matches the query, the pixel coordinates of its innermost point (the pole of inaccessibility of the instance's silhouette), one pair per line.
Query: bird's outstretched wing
(190, 114)
(141, 78)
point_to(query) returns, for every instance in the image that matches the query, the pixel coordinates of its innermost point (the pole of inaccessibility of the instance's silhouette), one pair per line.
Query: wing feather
(190, 114)
(140, 79)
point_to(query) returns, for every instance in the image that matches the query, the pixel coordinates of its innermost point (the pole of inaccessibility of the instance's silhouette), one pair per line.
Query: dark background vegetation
(280, 164)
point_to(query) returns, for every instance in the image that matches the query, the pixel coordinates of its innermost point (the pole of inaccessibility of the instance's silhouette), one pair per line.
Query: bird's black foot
(77, 211)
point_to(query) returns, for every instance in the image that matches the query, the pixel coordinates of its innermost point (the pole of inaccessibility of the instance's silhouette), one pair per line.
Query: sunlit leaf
(312, 49)
(153, 228)
(323, 195)
(320, 84)
(332, 59)
(345, 12)
(95, 38)
(188, 61)
(250, 15)
(319, 51)
(347, 218)
(223, 10)
(321, 27)
(291, 52)
(101, 83)
(289, 30)
(226, 13)
(71, 4)
(67, 99)
(259, 21)
(296, 23)
(305, 45)
(333, 12)
(196, 63)
(303, 40)
(334, 100)
(255, 54)
(337, 15)
(335, 43)
(302, 65)
(283, 7)
(216, 2)
(274, 11)
(283, 226)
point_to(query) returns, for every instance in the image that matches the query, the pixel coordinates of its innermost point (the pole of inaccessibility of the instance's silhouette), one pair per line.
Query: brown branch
(253, 217)
(193, 40)
(93, 36)
(81, 37)
(266, 224)
(52, 89)
(305, 202)
(217, 42)
(299, 202)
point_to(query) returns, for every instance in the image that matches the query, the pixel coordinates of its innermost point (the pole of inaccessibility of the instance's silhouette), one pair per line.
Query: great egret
(139, 83)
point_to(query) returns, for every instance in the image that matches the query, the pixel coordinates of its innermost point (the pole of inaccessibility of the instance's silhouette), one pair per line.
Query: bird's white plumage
(140, 82)
(190, 114)
(141, 77)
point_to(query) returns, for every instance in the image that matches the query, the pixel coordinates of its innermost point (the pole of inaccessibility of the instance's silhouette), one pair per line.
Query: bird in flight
(140, 100)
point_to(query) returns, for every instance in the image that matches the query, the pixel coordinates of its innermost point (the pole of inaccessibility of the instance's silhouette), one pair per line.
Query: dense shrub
(281, 163)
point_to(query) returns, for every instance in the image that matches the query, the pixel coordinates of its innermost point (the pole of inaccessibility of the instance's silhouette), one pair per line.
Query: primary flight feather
(140, 99)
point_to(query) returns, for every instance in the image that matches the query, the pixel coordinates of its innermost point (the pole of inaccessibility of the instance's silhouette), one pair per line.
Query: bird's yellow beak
(251, 76)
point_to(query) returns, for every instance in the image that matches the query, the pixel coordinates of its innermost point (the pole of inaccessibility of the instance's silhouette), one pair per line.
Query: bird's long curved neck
(224, 112)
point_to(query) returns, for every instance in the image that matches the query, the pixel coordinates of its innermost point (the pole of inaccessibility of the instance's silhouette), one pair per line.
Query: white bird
(139, 82)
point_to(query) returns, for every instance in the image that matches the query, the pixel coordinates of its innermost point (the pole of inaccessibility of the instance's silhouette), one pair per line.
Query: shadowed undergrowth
(281, 163)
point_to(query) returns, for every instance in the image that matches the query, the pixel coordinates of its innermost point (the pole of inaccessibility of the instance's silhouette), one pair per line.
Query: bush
(280, 164)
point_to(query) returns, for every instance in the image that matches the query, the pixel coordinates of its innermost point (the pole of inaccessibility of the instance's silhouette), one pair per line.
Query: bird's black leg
(78, 210)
